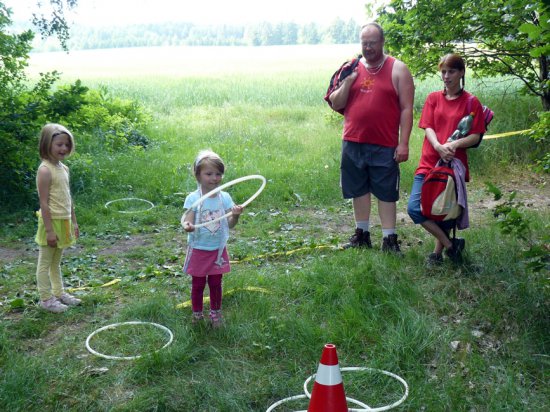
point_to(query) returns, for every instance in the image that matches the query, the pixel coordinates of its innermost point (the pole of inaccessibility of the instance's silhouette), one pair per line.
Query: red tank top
(372, 112)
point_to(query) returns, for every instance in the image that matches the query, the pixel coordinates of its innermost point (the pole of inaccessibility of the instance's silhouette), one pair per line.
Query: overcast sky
(113, 12)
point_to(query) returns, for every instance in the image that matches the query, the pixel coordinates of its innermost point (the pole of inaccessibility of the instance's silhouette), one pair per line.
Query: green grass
(381, 311)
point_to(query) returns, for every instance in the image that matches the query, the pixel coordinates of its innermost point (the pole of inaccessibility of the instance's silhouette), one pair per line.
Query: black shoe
(434, 259)
(359, 239)
(390, 244)
(454, 253)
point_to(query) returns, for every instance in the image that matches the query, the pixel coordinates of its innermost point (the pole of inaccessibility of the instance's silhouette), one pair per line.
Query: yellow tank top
(59, 200)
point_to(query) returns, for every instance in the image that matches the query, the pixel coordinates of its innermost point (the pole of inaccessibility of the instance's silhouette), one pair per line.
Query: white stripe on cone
(328, 375)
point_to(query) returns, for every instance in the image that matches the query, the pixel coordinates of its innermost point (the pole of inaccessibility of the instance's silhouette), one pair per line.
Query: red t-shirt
(442, 116)
(372, 113)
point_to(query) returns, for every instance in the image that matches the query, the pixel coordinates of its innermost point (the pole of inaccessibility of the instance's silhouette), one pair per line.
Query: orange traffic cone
(328, 390)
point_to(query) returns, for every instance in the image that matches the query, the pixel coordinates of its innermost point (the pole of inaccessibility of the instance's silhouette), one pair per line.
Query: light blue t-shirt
(208, 237)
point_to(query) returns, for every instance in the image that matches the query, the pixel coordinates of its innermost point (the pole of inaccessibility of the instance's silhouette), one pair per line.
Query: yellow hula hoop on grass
(285, 253)
(219, 189)
(110, 283)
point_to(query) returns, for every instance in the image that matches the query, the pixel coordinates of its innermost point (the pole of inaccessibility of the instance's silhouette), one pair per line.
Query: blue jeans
(413, 207)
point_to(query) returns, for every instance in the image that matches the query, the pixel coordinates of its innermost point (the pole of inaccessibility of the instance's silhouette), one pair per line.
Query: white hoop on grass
(219, 189)
(130, 198)
(367, 408)
(115, 325)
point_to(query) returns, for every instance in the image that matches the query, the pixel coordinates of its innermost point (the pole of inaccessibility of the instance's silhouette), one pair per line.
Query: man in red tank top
(377, 99)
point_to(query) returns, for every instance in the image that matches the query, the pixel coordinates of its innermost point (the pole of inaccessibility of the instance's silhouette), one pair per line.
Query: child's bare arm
(44, 179)
(232, 220)
(187, 221)
(75, 223)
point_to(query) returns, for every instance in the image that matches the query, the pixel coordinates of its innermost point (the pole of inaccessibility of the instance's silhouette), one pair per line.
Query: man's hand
(401, 153)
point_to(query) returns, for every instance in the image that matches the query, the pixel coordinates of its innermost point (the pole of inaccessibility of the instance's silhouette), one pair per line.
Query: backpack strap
(346, 70)
(470, 102)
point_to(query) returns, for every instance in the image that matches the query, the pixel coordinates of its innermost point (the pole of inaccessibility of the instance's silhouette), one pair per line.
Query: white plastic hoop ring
(366, 407)
(130, 198)
(219, 189)
(115, 325)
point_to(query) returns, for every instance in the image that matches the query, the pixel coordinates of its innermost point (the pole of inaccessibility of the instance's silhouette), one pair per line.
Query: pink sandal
(197, 318)
(216, 319)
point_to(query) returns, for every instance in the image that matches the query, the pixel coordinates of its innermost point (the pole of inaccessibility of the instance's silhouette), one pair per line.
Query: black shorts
(368, 168)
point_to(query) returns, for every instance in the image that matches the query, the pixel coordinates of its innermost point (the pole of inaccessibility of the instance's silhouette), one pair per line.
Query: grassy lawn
(466, 338)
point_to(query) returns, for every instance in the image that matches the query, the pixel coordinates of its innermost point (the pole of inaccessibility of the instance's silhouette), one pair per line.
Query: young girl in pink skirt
(207, 259)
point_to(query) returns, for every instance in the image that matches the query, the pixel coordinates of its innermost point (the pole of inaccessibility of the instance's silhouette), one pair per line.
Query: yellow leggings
(48, 272)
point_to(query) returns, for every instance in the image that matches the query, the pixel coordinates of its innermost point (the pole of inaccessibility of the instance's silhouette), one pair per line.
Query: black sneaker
(390, 244)
(434, 259)
(359, 239)
(454, 253)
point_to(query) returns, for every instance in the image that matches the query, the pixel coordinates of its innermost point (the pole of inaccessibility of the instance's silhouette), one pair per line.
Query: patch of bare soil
(11, 254)
(114, 247)
(126, 244)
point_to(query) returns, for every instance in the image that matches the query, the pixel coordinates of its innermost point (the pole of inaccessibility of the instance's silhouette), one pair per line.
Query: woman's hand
(446, 151)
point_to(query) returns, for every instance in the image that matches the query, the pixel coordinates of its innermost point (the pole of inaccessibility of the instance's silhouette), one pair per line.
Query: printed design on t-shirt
(208, 215)
(367, 85)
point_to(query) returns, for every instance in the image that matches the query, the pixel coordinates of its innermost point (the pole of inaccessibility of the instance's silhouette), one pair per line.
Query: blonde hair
(49, 131)
(207, 157)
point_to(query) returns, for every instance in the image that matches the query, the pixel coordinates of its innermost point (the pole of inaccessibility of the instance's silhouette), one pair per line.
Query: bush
(24, 110)
(540, 134)
(99, 123)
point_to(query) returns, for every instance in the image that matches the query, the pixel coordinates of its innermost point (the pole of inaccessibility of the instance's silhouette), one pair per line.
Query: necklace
(375, 70)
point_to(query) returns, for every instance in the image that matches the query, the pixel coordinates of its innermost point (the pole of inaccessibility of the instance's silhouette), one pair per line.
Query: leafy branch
(514, 222)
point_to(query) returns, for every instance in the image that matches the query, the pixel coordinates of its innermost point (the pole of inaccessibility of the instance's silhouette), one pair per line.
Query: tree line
(339, 31)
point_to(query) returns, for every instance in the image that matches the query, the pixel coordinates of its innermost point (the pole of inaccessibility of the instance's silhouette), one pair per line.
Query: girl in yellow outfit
(57, 227)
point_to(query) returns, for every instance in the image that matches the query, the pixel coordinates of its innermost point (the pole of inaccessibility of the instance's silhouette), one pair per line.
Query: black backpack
(344, 71)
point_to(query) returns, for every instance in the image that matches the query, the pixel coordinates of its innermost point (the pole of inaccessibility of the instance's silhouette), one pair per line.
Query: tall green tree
(496, 37)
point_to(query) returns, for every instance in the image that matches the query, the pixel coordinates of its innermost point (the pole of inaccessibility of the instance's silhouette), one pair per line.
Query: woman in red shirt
(440, 116)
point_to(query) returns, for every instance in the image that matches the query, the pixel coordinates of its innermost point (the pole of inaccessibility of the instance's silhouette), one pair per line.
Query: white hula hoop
(130, 198)
(115, 325)
(219, 189)
(307, 394)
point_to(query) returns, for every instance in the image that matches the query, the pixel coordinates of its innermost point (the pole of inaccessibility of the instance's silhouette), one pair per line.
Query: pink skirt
(202, 263)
